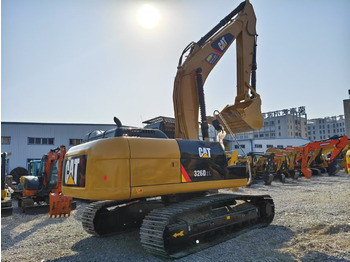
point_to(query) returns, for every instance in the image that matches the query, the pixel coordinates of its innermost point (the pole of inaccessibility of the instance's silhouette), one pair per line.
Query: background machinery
(284, 162)
(36, 189)
(168, 187)
(6, 203)
(337, 143)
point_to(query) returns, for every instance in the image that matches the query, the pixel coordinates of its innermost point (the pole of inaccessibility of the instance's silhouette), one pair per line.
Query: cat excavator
(169, 187)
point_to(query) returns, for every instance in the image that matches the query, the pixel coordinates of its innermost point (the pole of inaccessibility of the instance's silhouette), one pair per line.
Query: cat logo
(204, 152)
(71, 171)
(222, 43)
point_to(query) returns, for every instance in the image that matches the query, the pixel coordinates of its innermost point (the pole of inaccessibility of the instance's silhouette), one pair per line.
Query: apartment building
(324, 128)
(286, 123)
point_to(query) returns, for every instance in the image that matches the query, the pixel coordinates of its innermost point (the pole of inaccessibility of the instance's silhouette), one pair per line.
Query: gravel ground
(311, 224)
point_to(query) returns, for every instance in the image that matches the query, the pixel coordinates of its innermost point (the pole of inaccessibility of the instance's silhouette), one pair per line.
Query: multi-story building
(324, 128)
(286, 123)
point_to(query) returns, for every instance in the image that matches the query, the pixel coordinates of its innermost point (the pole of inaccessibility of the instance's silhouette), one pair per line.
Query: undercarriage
(176, 230)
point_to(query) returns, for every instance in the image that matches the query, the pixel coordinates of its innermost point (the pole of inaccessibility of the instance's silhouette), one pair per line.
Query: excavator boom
(245, 113)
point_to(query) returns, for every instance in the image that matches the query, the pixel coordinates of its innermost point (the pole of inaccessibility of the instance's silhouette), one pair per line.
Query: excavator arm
(188, 95)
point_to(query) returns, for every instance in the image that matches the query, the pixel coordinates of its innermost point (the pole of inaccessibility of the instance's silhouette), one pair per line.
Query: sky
(86, 61)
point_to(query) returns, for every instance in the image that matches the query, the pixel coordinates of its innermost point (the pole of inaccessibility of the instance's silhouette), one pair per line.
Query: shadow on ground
(256, 245)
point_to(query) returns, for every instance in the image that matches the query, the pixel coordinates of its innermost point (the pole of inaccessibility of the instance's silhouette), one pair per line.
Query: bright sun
(148, 16)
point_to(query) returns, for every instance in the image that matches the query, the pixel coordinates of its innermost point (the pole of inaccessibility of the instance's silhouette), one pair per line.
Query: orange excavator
(43, 193)
(338, 143)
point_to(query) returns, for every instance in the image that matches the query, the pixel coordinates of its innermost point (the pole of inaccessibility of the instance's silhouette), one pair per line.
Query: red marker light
(105, 177)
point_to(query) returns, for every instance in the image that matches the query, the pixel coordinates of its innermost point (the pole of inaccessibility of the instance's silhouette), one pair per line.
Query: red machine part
(60, 205)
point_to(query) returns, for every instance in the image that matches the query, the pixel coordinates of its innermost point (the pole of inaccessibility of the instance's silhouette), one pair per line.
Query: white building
(285, 123)
(29, 141)
(324, 128)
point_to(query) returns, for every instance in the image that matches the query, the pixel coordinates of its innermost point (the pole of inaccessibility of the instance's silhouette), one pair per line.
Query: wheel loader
(168, 188)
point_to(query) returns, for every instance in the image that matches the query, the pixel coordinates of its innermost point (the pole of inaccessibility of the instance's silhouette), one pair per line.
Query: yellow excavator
(169, 187)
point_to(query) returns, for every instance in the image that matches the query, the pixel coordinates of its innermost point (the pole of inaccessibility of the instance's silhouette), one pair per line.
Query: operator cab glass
(53, 178)
(124, 131)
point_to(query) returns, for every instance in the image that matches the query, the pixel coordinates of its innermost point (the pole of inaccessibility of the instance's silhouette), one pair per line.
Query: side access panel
(154, 161)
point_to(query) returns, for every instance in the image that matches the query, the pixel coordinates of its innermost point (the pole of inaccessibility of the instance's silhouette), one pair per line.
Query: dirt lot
(312, 223)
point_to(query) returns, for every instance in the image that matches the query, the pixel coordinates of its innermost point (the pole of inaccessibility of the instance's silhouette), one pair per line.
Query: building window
(269, 146)
(5, 140)
(237, 146)
(258, 145)
(40, 141)
(75, 141)
(279, 146)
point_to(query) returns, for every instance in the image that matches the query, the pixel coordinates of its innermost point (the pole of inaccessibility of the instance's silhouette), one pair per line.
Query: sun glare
(148, 16)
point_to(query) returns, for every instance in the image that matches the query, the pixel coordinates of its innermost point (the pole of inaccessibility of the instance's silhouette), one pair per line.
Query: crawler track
(104, 218)
(179, 229)
(187, 227)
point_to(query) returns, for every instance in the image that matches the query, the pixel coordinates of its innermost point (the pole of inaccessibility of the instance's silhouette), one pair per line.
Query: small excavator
(337, 143)
(42, 193)
(285, 162)
(169, 187)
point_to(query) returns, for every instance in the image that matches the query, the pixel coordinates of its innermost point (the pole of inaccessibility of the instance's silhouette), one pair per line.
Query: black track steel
(157, 229)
